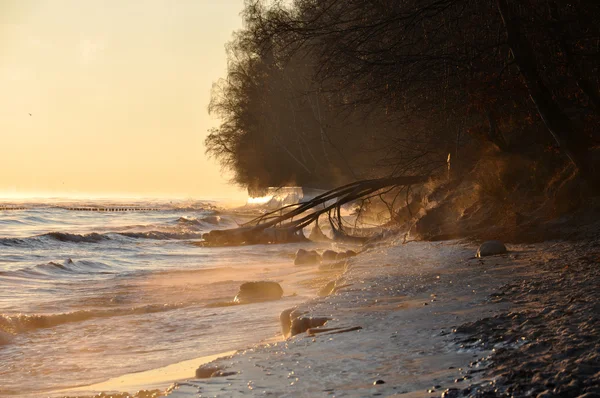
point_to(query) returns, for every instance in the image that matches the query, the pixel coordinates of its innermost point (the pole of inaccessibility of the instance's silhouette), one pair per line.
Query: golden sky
(117, 91)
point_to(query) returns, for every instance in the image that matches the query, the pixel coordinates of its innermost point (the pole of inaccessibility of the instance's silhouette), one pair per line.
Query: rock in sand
(303, 323)
(252, 292)
(490, 248)
(294, 321)
(205, 372)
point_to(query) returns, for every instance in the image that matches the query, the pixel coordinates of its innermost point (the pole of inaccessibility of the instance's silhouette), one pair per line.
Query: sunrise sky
(117, 92)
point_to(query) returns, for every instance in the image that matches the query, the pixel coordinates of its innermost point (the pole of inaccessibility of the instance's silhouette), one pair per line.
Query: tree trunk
(571, 140)
(279, 227)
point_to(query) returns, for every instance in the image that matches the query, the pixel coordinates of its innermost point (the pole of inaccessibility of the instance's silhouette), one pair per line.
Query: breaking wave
(20, 323)
(12, 241)
(211, 220)
(56, 268)
(160, 235)
(95, 237)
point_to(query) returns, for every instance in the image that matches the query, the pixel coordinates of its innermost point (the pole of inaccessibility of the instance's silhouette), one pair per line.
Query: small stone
(451, 393)
(378, 382)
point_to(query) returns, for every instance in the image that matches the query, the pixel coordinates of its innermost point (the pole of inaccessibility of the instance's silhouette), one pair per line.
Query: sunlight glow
(111, 99)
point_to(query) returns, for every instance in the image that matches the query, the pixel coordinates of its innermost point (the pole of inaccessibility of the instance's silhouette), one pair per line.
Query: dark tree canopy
(324, 92)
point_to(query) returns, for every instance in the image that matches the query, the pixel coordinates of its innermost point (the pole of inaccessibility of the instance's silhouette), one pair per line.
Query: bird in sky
(30, 114)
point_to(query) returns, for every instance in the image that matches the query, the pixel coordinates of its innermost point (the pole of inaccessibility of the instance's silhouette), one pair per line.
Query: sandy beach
(413, 319)
(406, 299)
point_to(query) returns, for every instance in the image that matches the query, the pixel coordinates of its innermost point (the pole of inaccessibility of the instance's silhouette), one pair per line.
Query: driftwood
(285, 225)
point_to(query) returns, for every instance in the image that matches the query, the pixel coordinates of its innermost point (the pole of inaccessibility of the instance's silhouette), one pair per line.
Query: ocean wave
(20, 323)
(160, 235)
(188, 221)
(52, 268)
(212, 220)
(12, 241)
(93, 237)
(11, 222)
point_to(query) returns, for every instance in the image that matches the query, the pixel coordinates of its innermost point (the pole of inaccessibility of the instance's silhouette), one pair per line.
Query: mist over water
(93, 290)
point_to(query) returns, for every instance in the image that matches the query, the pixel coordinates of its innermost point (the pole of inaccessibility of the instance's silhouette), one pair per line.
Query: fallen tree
(285, 224)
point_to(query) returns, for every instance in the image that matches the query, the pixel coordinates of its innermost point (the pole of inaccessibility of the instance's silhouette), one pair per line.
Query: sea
(94, 289)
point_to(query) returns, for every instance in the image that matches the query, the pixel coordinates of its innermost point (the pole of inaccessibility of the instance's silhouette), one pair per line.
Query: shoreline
(416, 305)
(153, 379)
(407, 315)
(302, 282)
(406, 299)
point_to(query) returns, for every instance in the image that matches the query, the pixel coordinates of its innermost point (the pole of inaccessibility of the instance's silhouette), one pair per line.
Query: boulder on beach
(329, 255)
(302, 323)
(285, 318)
(206, 371)
(304, 257)
(294, 321)
(252, 292)
(490, 248)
